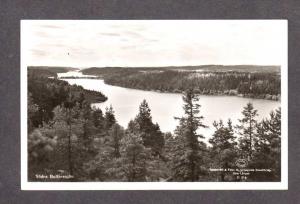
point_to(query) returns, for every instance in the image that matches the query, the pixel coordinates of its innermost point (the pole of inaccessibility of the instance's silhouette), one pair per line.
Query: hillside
(207, 68)
(48, 71)
(241, 80)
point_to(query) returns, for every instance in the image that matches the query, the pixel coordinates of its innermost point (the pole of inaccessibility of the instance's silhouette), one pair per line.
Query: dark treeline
(257, 85)
(207, 68)
(265, 85)
(50, 70)
(44, 94)
(80, 143)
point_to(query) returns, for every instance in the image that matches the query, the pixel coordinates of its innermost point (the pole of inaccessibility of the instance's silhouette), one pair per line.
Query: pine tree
(144, 117)
(32, 110)
(150, 132)
(98, 119)
(131, 165)
(109, 118)
(134, 157)
(223, 150)
(76, 135)
(88, 128)
(68, 127)
(247, 130)
(188, 161)
(116, 134)
(103, 166)
(41, 143)
(268, 147)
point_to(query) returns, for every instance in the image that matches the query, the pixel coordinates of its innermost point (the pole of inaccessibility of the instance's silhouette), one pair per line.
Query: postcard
(154, 105)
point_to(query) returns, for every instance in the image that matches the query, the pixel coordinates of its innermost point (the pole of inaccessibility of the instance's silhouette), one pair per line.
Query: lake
(165, 106)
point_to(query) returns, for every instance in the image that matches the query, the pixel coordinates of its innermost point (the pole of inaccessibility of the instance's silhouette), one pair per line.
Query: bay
(165, 106)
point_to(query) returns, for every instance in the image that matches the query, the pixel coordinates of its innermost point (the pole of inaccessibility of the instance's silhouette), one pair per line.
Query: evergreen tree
(130, 165)
(115, 136)
(98, 119)
(32, 109)
(102, 166)
(223, 150)
(188, 161)
(68, 127)
(144, 117)
(133, 126)
(134, 157)
(41, 142)
(105, 165)
(150, 132)
(223, 137)
(247, 130)
(268, 148)
(99, 167)
(88, 128)
(109, 118)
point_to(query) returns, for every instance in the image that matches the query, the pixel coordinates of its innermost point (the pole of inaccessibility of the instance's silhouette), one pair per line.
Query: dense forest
(73, 142)
(47, 93)
(48, 71)
(213, 80)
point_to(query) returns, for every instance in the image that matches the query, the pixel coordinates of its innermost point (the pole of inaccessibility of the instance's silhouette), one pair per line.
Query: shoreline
(229, 92)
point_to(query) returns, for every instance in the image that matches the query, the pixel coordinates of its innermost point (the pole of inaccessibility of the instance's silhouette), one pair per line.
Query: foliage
(268, 148)
(32, 109)
(246, 130)
(150, 132)
(48, 93)
(223, 151)
(66, 135)
(41, 142)
(187, 163)
(109, 118)
(249, 81)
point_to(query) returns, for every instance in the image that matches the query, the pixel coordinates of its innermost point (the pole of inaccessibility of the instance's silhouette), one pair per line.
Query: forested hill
(241, 80)
(207, 68)
(47, 93)
(49, 71)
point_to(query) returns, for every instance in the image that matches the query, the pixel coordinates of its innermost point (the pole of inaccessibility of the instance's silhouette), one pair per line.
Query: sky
(150, 43)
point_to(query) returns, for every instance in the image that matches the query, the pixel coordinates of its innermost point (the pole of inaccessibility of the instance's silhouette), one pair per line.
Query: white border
(283, 185)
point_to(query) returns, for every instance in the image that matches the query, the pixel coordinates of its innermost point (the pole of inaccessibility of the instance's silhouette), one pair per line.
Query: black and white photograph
(153, 104)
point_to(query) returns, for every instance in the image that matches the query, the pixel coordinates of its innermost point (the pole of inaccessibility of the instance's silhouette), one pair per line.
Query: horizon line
(168, 66)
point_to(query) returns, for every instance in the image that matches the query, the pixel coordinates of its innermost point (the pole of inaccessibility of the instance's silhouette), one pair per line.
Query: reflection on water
(165, 106)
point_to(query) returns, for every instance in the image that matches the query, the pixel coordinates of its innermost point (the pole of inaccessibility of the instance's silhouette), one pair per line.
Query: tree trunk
(69, 144)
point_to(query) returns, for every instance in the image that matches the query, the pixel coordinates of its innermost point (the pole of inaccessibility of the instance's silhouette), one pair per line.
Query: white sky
(123, 43)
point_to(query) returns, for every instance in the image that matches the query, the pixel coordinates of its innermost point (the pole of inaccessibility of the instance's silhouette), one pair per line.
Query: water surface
(165, 106)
